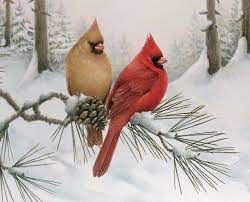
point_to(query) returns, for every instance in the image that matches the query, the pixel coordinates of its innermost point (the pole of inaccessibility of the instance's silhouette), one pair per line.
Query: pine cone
(91, 111)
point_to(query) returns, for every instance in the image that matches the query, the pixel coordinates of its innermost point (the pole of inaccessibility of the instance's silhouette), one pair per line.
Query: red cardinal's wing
(130, 88)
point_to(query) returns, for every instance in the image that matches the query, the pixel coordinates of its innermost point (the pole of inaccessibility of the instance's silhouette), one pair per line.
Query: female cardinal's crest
(94, 25)
(151, 48)
(94, 34)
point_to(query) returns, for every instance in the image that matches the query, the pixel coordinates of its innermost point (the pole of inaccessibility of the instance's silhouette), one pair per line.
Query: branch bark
(37, 115)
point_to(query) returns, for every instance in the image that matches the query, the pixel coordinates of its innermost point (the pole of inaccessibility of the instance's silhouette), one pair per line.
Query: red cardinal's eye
(154, 59)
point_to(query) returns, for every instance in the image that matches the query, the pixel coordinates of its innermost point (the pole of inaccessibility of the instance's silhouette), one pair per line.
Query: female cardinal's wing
(130, 88)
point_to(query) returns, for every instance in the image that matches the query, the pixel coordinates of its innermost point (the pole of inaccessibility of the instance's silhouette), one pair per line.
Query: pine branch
(143, 135)
(181, 142)
(27, 186)
(81, 111)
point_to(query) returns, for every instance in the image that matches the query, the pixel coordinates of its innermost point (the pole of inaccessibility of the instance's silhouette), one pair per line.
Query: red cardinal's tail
(106, 153)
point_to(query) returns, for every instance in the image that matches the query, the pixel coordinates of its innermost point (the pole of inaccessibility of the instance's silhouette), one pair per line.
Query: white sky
(165, 19)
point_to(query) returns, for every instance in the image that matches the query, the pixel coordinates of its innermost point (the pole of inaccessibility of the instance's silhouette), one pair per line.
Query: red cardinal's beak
(162, 61)
(99, 47)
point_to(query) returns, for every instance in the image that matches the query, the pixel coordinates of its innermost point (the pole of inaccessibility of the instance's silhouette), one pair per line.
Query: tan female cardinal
(140, 87)
(88, 71)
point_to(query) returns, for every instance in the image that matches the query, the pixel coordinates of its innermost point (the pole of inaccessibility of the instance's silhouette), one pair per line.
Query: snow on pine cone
(91, 111)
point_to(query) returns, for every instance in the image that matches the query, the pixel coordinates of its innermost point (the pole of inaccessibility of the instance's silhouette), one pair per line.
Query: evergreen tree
(178, 61)
(22, 32)
(230, 33)
(125, 51)
(183, 53)
(1, 26)
(120, 54)
(195, 39)
(61, 38)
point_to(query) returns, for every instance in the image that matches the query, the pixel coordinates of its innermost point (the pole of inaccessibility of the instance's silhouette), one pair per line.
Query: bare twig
(37, 115)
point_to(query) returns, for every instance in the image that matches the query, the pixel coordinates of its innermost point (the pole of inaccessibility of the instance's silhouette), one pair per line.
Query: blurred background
(175, 25)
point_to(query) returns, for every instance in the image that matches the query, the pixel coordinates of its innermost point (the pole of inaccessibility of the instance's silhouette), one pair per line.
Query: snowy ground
(226, 96)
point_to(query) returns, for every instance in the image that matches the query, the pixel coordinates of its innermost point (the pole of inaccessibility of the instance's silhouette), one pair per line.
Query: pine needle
(140, 142)
(78, 139)
(27, 186)
(6, 150)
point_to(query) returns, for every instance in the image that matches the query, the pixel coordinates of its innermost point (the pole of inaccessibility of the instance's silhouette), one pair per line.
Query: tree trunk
(212, 40)
(41, 35)
(245, 24)
(7, 23)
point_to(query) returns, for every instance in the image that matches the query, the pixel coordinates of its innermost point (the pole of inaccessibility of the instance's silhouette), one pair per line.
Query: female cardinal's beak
(99, 47)
(162, 61)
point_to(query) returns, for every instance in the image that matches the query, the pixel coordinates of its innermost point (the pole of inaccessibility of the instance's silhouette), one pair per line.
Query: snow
(203, 12)
(146, 119)
(44, 97)
(32, 70)
(187, 154)
(225, 96)
(207, 25)
(72, 103)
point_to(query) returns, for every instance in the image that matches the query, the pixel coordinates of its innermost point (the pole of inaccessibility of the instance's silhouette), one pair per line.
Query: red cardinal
(139, 88)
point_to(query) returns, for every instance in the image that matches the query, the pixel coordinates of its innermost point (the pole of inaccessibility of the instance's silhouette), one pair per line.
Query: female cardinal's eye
(92, 44)
(94, 48)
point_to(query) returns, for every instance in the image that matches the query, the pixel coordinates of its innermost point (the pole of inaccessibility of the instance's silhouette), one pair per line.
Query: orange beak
(99, 47)
(162, 61)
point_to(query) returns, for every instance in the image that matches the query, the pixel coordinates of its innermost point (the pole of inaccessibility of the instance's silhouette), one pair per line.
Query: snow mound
(32, 70)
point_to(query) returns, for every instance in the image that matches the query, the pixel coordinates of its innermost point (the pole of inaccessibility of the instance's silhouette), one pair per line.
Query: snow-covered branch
(207, 26)
(203, 12)
(186, 148)
(34, 105)
(147, 121)
(145, 132)
(80, 111)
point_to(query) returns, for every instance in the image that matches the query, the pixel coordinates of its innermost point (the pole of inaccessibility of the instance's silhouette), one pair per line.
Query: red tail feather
(105, 155)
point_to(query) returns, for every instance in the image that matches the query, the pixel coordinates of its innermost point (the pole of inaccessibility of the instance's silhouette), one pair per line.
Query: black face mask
(93, 50)
(155, 61)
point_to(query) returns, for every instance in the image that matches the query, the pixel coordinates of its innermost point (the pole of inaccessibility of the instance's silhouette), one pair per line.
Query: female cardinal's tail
(94, 137)
(106, 153)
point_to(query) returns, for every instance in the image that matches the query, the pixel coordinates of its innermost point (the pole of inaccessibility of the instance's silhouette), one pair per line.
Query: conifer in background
(61, 37)
(22, 32)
